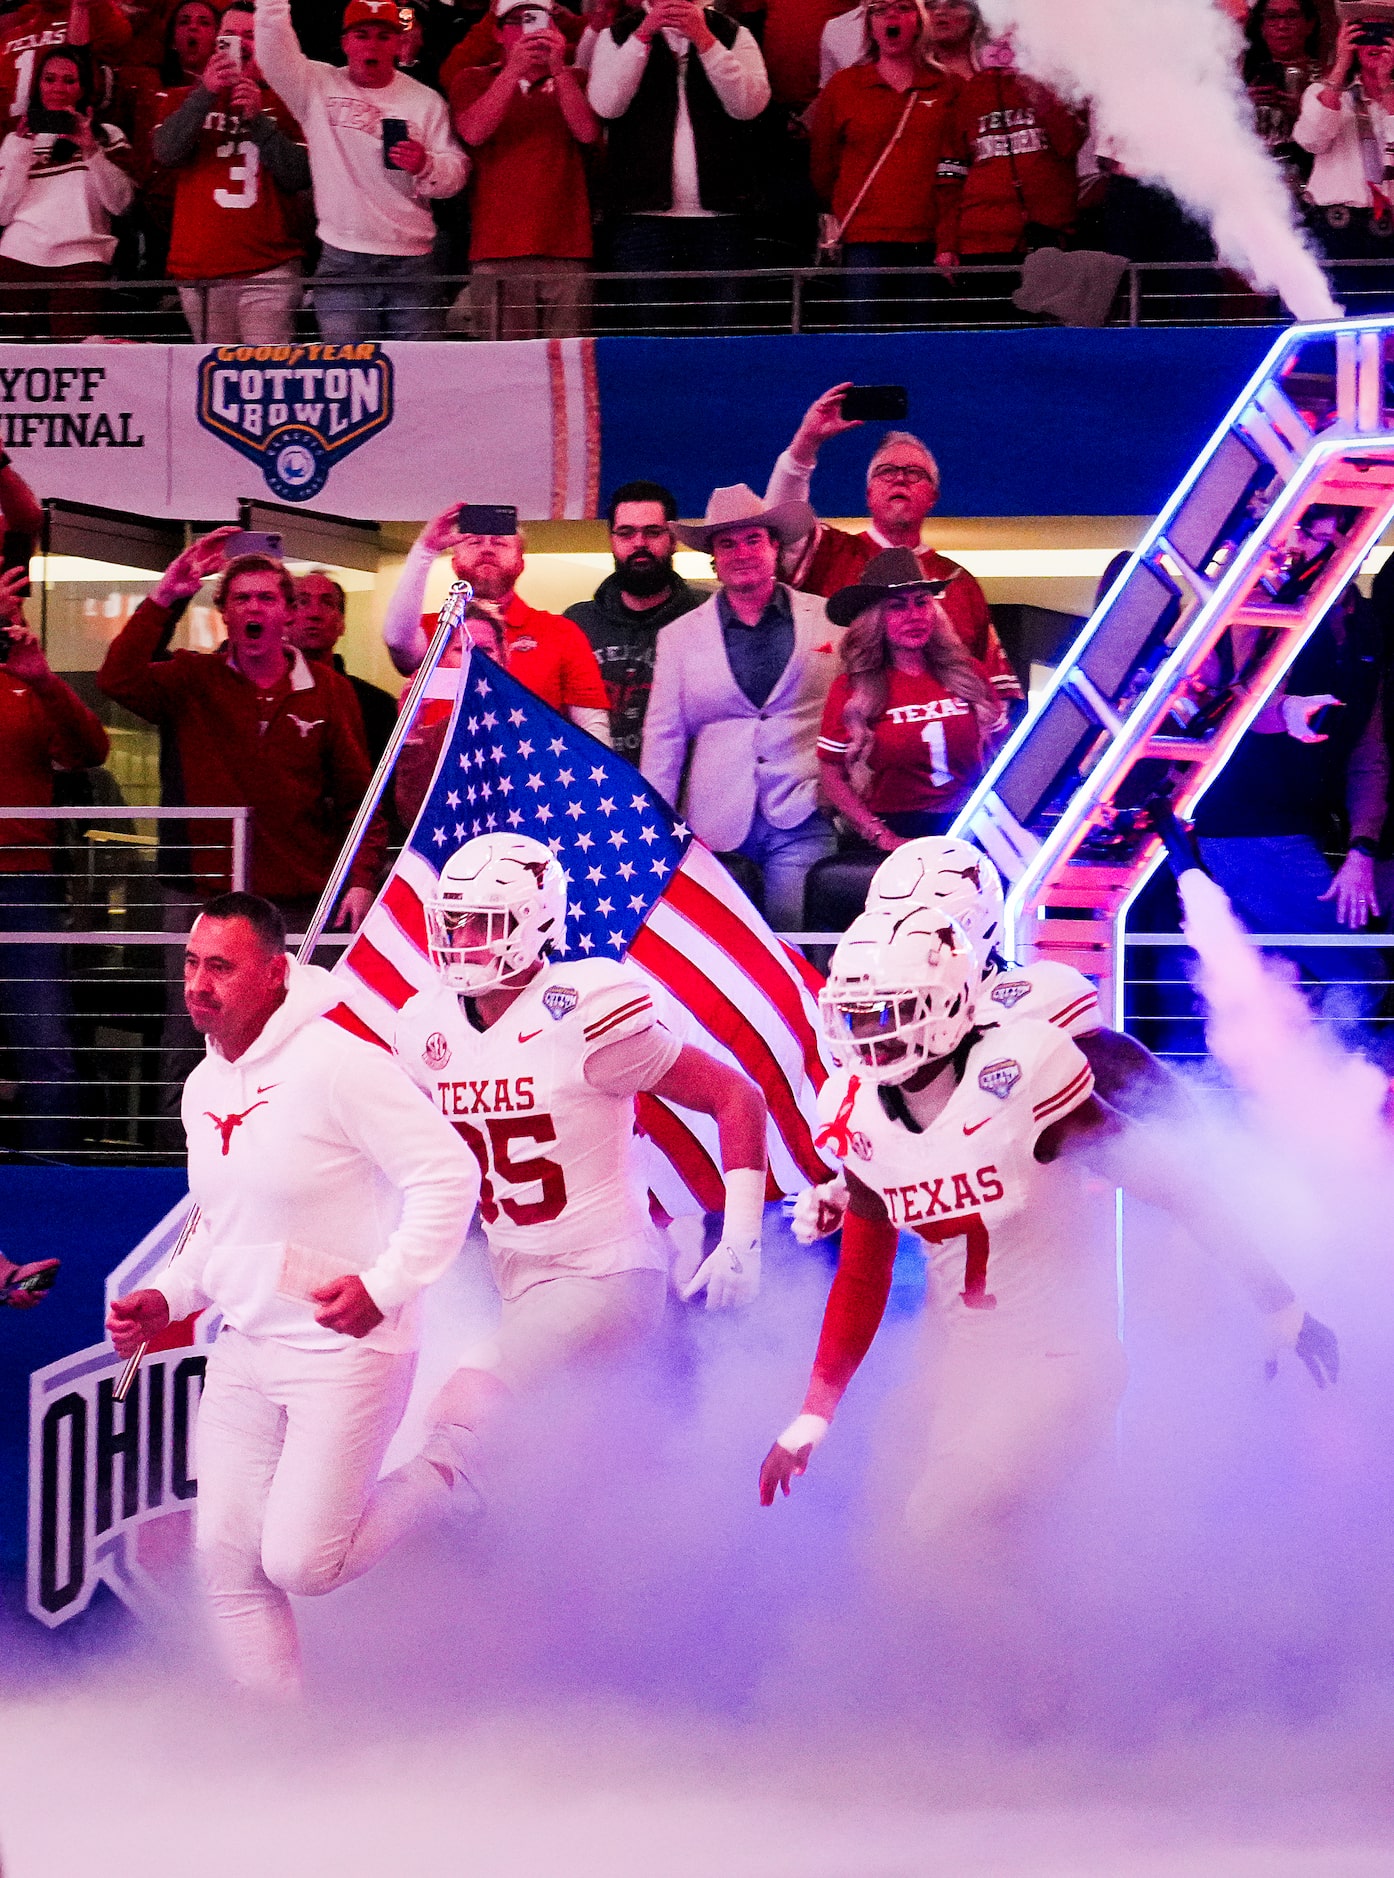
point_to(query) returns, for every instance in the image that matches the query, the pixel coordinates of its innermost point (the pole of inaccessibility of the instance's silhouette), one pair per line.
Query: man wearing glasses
(622, 621)
(902, 486)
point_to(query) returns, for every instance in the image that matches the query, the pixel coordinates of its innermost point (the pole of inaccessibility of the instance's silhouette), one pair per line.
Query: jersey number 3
(494, 1154)
(973, 1228)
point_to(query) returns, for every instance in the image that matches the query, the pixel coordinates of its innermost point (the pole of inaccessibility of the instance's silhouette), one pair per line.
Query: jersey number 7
(973, 1228)
(495, 1157)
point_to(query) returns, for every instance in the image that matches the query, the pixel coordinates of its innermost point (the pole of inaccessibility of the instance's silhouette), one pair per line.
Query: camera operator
(1345, 122)
(44, 727)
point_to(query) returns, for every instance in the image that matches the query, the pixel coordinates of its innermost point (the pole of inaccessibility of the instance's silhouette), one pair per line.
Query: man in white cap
(902, 487)
(731, 732)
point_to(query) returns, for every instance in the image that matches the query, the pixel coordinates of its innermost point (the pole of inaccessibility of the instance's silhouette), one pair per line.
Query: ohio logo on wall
(294, 410)
(112, 1485)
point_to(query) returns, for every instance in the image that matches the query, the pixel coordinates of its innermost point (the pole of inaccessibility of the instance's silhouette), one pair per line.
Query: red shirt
(294, 755)
(40, 731)
(790, 44)
(527, 189)
(926, 751)
(1019, 143)
(548, 654)
(32, 29)
(231, 216)
(836, 560)
(853, 121)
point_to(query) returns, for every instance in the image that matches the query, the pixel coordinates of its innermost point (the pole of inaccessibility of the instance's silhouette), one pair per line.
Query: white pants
(570, 1319)
(289, 1446)
(1005, 1429)
(248, 310)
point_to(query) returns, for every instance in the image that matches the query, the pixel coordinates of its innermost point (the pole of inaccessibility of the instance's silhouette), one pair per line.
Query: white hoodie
(311, 1156)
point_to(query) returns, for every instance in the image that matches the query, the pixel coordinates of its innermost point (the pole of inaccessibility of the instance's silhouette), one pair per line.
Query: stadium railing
(121, 897)
(788, 299)
(115, 908)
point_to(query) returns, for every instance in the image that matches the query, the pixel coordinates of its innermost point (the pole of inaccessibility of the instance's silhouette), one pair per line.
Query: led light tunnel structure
(1268, 528)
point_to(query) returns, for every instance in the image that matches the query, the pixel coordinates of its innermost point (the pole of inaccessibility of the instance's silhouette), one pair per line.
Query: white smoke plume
(1260, 1027)
(1162, 77)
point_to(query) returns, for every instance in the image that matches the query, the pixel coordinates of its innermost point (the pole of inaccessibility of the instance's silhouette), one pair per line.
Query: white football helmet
(899, 993)
(514, 891)
(949, 875)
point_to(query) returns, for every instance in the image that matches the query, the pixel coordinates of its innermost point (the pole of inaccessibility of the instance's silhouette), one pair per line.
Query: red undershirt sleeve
(855, 1307)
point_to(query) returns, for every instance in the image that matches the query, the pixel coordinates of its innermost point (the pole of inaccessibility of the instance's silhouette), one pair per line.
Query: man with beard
(543, 651)
(622, 621)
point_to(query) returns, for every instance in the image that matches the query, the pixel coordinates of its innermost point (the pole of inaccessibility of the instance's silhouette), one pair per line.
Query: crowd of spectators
(307, 160)
(824, 697)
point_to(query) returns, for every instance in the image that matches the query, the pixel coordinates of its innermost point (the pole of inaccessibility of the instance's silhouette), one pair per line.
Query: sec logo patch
(1000, 1078)
(437, 1051)
(559, 1002)
(861, 1145)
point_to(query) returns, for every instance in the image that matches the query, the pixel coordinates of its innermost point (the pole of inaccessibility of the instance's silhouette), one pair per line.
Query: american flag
(640, 887)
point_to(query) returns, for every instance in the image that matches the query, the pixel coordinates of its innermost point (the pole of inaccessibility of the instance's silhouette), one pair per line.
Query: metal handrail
(1150, 293)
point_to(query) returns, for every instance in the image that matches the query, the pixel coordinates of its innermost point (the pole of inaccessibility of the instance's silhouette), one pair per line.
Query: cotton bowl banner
(380, 432)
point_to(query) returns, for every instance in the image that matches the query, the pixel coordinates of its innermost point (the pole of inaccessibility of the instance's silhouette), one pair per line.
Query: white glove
(730, 1276)
(818, 1211)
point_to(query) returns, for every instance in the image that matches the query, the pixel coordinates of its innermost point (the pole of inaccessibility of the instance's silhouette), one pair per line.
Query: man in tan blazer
(731, 733)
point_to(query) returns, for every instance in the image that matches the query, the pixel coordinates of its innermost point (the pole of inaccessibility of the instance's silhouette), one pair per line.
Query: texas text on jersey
(563, 1187)
(1009, 1239)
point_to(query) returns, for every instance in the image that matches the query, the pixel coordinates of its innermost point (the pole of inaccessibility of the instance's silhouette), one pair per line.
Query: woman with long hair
(1282, 57)
(63, 176)
(910, 718)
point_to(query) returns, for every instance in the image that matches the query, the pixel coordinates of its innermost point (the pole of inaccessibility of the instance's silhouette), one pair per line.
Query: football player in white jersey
(951, 876)
(537, 1063)
(980, 1138)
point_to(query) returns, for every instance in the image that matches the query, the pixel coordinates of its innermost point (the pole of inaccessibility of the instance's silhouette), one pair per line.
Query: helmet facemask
(887, 1036)
(499, 907)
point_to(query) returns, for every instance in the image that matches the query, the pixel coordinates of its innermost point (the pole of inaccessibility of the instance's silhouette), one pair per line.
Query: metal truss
(1272, 522)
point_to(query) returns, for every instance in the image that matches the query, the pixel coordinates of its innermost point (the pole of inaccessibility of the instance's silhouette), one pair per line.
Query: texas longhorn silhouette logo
(226, 1123)
(837, 1134)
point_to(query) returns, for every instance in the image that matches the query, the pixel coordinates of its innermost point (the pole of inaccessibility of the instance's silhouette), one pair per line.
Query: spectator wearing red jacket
(44, 728)
(190, 36)
(881, 154)
(525, 121)
(252, 724)
(100, 25)
(240, 162)
(1018, 142)
(902, 487)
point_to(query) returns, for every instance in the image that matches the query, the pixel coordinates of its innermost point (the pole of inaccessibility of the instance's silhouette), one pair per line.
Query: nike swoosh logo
(529, 1035)
(267, 1086)
(976, 1126)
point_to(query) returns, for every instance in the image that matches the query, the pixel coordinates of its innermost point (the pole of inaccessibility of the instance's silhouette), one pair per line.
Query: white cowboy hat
(737, 504)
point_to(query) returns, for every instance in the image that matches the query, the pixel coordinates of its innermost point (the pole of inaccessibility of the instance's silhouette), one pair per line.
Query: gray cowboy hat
(736, 505)
(894, 571)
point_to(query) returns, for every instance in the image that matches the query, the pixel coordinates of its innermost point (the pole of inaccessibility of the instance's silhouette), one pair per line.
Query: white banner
(375, 432)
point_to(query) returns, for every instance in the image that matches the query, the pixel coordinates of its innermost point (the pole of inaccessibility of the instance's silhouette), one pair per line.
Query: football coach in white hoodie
(331, 1193)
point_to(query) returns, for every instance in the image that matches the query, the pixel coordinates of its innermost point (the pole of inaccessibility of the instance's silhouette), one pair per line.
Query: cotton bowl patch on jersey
(1000, 1078)
(559, 1002)
(1010, 993)
(437, 1052)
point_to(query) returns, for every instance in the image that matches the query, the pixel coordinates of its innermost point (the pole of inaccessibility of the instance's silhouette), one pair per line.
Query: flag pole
(451, 615)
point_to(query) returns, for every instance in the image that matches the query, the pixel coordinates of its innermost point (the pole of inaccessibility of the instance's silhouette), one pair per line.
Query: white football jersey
(563, 1181)
(1045, 989)
(1018, 1250)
